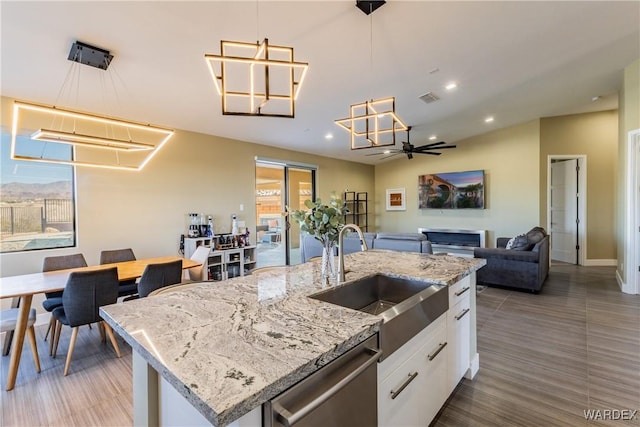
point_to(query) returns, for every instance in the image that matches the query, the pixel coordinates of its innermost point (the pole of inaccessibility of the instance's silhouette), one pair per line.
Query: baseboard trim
(600, 262)
(626, 288)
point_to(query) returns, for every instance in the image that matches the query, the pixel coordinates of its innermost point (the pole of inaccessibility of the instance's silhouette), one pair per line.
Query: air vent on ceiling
(429, 97)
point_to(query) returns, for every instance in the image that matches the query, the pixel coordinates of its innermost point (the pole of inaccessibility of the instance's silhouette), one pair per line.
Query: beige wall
(509, 158)
(596, 136)
(193, 173)
(629, 121)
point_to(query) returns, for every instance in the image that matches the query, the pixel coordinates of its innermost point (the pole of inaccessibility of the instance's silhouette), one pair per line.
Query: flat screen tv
(452, 190)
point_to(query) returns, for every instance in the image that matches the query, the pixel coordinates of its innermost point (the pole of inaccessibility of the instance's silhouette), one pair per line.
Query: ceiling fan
(409, 149)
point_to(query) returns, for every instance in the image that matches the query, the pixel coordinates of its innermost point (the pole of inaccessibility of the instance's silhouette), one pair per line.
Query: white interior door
(564, 211)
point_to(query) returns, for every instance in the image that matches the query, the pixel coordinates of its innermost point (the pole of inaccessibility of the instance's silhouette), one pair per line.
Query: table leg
(21, 328)
(15, 303)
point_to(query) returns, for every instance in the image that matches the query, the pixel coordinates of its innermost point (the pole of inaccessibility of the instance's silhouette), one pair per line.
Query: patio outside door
(279, 185)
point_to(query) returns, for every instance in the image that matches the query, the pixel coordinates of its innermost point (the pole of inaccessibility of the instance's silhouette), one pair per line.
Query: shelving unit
(358, 204)
(223, 264)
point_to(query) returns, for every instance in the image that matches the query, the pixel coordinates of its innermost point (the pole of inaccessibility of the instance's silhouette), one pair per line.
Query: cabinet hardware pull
(412, 377)
(461, 315)
(433, 356)
(462, 291)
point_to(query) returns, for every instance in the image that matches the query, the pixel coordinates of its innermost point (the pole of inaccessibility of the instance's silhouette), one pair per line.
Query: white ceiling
(517, 61)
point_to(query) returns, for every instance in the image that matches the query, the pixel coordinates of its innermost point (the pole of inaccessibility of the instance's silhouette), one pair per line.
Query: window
(37, 200)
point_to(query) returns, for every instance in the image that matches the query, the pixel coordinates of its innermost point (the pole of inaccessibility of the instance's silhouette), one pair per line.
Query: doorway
(280, 185)
(566, 208)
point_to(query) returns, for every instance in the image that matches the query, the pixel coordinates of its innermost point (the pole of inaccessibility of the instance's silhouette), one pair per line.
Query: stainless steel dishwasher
(343, 393)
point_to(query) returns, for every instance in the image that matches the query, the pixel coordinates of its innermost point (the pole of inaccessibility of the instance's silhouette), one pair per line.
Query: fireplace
(455, 241)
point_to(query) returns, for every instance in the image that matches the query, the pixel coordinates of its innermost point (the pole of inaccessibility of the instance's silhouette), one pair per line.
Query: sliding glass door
(279, 184)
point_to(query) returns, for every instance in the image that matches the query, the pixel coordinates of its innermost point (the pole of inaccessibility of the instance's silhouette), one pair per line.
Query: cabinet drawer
(414, 392)
(460, 290)
(391, 363)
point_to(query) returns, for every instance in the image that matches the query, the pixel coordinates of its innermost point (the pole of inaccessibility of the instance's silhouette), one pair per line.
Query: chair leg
(72, 344)
(112, 338)
(58, 333)
(53, 324)
(103, 337)
(31, 332)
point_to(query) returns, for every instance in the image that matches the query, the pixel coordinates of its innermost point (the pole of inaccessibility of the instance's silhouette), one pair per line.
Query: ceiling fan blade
(435, 144)
(389, 156)
(427, 152)
(426, 148)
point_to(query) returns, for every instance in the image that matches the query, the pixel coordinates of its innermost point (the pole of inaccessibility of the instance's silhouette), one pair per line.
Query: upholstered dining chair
(127, 287)
(156, 276)
(84, 293)
(8, 322)
(199, 274)
(54, 299)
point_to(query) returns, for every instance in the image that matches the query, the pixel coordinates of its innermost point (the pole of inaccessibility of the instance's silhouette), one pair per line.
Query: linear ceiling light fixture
(97, 141)
(256, 79)
(87, 133)
(372, 123)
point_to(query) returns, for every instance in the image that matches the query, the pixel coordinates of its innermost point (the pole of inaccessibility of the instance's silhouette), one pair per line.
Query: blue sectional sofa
(523, 266)
(405, 242)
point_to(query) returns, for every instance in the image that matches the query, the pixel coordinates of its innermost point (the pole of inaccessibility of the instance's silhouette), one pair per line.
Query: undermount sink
(406, 306)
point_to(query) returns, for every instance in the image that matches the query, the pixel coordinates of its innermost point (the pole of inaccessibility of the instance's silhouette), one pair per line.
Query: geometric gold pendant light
(96, 140)
(372, 123)
(256, 79)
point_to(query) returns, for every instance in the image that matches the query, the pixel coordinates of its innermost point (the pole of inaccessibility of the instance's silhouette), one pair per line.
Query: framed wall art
(396, 199)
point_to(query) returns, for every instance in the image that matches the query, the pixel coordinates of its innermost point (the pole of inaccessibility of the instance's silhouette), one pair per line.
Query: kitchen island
(228, 347)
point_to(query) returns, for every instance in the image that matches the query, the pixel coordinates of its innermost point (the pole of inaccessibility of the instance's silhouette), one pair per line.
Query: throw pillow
(535, 235)
(519, 243)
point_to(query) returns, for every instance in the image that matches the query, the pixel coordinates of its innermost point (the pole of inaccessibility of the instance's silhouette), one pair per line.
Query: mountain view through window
(37, 203)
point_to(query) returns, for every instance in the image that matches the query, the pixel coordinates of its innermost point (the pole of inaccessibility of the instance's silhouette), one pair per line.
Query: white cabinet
(412, 384)
(225, 264)
(416, 380)
(192, 243)
(459, 330)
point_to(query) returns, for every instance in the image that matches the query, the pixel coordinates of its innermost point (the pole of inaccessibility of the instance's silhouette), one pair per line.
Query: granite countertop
(230, 346)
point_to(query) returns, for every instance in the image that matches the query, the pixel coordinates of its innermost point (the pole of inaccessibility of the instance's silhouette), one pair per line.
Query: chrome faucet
(363, 247)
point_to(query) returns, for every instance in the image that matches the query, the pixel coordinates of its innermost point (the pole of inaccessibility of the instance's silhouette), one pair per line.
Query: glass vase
(328, 261)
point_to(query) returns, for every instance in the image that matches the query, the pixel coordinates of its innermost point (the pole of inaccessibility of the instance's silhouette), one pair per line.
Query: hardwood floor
(544, 360)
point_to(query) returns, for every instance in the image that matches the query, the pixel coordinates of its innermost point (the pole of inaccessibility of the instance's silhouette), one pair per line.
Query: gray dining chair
(8, 322)
(54, 299)
(156, 276)
(84, 293)
(127, 287)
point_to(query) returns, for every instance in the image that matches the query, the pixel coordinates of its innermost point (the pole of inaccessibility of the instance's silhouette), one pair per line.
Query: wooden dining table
(26, 286)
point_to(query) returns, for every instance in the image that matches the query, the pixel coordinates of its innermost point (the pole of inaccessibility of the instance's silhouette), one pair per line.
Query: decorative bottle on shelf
(234, 224)
(210, 227)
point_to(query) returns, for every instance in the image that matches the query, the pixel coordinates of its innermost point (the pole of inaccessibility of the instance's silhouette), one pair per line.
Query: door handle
(288, 419)
(396, 393)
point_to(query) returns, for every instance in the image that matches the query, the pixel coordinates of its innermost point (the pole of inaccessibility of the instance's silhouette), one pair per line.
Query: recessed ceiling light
(432, 138)
(596, 98)
(451, 86)
(328, 136)
(488, 119)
